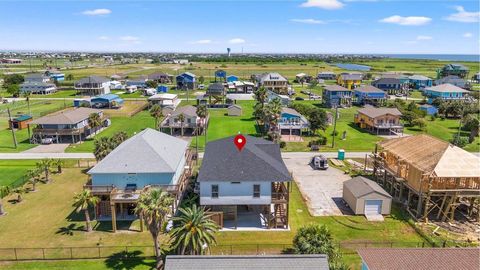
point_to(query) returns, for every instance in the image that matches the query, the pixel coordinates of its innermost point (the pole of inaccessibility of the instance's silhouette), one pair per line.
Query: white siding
(235, 194)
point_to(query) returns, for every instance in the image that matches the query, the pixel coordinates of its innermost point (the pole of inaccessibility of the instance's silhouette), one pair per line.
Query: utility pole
(334, 126)
(11, 127)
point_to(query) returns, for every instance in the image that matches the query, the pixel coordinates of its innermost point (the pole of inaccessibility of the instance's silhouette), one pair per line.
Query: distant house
(234, 110)
(68, 126)
(10, 61)
(420, 258)
(303, 78)
(368, 94)
(453, 80)
(165, 100)
(350, 80)
(117, 77)
(37, 77)
(284, 99)
(232, 78)
(192, 123)
(150, 159)
(56, 76)
(379, 120)
(420, 82)
(217, 92)
(336, 95)
(274, 82)
(93, 86)
(401, 77)
(139, 82)
(445, 92)
(20, 122)
(249, 187)
(327, 75)
(160, 77)
(453, 69)
(186, 80)
(247, 262)
(221, 74)
(391, 85)
(429, 109)
(106, 101)
(292, 122)
(476, 77)
(38, 87)
(240, 87)
(365, 197)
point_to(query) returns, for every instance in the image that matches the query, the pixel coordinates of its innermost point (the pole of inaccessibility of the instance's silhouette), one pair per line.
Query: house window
(234, 182)
(214, 191)
(256, 191)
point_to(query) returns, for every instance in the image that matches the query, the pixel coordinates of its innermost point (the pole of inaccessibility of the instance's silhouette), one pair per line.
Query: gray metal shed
(234, 110)
(365, 197)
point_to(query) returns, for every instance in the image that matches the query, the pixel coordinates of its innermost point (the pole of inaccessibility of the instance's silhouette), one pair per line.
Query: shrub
(459, 141)
(299, 98)
(283, 144)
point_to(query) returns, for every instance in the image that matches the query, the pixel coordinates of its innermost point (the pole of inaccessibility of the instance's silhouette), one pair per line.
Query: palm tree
(33, 176)
(59, 163)
(4, 191)
(202, 112)
(181, 118)
(273, 112)
(102, 148)
(156, 112)
(261, 95)
(118, 138)
(194, 232)
(94, 121)
(45, 166)
(82, 201)
(19, 191)
(153, 206)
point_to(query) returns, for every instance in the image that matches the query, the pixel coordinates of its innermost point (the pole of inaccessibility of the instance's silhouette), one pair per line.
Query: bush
(299, 98)
(335, 133)
(459, 141)
(321, 141)
(283, 144)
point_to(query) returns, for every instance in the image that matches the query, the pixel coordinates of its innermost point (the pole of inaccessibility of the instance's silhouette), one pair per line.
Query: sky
(264, 26)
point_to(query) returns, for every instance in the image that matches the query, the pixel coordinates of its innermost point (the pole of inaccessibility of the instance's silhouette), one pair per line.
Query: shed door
(373, 207)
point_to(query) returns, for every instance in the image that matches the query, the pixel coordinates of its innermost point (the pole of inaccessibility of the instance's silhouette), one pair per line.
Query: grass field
(13, 170)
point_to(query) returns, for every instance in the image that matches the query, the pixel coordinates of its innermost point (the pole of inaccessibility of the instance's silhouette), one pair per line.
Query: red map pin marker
(239, 141)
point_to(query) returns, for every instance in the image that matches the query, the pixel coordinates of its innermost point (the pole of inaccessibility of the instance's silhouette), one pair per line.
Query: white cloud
(424, 38)
(411, 20)
(201, 41)
(467, 35)
(103, 38)
(130, 39)
(324, 4)
(236, 41)
(97, 12)
(464, 16)
(307, 21)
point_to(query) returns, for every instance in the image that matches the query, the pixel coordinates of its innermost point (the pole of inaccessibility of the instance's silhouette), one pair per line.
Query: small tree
(94, 121)
(153, 207)
(156, 112)
(45, 166)
(13, 89)
(318, 120)
(19, 191)
(420, 122)
(33, 177)
(201, 79)
(118, 138)
(59, 163)
(4, 191)
(82, 201)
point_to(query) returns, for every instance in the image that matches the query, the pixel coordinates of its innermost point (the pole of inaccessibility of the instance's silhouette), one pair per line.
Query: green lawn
(59, 94)
(13, 170)
(130, 125)
(113, 263)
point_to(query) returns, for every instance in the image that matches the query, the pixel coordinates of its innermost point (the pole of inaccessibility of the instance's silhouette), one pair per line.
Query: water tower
(228, 51)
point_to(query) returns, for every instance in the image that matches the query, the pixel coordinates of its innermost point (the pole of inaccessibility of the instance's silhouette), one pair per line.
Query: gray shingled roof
(351, 76)
(419, 78)
(188, 110)
(259, 160)
(92, 79)
(374, 112)
(446, 88)
(335, 87)
(215, 88)
(361, 186)
(387, 81)
(272, 76)
(149, 151)
(66, 117)
(247, 262)
(369, 89)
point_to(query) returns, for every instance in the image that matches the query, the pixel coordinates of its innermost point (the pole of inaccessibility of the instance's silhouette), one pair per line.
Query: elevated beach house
(190, 124)
(420, 81)
(454, 80)
(160, 77)
(336, 95)
(391, 85)
(445, 92)
(67, 126)
(292, 122)
(150, 159)
(93, 86)
(186, 81)
(274, 82)
(350, 80)
(369, 94)
(247, 188)
(37, 87)
(453, 69)
(379, 120)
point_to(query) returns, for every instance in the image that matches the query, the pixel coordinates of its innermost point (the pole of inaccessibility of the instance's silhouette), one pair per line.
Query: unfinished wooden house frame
(431, 177)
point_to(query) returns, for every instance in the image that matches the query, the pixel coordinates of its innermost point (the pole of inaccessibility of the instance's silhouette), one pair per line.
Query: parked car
(201, 86)
(319, 162)
(47, 140)
(399, 95)
(149, 91)
(131, 89)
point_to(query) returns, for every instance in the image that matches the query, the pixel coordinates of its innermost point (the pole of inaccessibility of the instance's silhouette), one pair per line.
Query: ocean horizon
(439, 57)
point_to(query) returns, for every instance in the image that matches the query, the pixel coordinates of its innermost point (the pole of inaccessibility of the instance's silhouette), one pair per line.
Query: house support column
(141, 222)
(114, 218)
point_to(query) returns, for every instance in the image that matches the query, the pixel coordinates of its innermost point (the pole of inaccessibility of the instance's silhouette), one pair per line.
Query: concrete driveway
(48, 148)
(322, 190)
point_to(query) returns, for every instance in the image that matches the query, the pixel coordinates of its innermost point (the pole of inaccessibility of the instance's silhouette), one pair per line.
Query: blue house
(454, 80)
(429, 109)
(391, 85)
(336, 95)
(148, 159)
(186, 80)
(445, 92)
(420, 82)
(232, 78)
(369, 94)
(106, 101)
(162, 89)
(221, 74)
(56, 76)
(292, 122)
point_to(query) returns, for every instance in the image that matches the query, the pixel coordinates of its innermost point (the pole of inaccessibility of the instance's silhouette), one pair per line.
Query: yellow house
(379, 120)
(349, 80)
